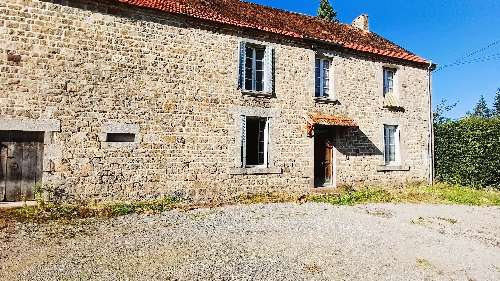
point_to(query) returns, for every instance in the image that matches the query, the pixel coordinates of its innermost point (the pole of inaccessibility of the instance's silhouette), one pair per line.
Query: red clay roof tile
(314, 119)
(248, 15)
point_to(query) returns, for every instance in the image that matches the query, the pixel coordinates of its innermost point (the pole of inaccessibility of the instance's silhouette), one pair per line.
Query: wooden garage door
(20, 164)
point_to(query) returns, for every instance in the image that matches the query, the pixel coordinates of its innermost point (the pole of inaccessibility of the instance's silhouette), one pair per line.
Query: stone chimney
(362, 23)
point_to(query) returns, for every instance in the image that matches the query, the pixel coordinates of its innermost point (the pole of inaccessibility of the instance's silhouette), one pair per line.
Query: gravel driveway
(264, 242)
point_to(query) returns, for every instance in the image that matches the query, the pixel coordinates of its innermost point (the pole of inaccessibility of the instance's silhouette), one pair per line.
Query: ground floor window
(391, 144)
(255, 141)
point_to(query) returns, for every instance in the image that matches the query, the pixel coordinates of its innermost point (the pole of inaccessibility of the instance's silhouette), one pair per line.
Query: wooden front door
(20, 164)
(324, 159)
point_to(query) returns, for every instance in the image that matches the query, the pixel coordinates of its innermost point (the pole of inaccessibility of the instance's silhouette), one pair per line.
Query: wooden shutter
(267, 136)
(243, 140)
(269, 70)
(3, 170)
(241, 74)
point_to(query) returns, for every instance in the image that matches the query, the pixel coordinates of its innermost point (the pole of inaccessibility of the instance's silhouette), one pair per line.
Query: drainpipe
(431, 127)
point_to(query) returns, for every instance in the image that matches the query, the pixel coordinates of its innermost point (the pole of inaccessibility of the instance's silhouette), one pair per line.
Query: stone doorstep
(9, 205)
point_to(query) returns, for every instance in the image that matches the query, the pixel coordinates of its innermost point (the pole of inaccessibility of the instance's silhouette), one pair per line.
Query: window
(255, 141)
(120, 137)
(322, 77)
(256, 68)
(391, 144)
(389, 78)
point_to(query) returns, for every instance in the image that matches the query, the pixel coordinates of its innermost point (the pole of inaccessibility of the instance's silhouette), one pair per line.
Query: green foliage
(47, 211)
(366, 195)
(441, 193)
(465, 195)
(467, 152)
(496, 104)
(481, 109)
(326, 12)
(441, 109)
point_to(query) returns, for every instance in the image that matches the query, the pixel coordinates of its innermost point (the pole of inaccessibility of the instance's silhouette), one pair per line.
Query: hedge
(468, 152)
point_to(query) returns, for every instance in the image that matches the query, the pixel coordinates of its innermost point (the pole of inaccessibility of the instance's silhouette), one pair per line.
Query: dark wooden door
(21, 169)
(324, 160)
(3, 170)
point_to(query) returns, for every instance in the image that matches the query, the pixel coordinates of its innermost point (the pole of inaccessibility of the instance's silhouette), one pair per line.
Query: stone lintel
(116, 127)
(31, 125)
(255, 171)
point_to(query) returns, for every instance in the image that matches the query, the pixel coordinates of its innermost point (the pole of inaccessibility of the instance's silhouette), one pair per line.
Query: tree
(326, 11)
(441, 109)
(496, 104)
(481, 109)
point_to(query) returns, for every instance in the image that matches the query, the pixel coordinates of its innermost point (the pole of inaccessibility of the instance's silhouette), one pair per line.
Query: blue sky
(440, 30)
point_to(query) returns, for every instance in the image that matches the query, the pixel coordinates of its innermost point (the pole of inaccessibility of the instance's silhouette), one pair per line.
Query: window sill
(257, 94)
(255, 171)
(119, 145)
(325, 100)
(388, 168)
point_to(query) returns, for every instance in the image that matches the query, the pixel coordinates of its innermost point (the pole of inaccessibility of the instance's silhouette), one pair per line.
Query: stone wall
(90, 65)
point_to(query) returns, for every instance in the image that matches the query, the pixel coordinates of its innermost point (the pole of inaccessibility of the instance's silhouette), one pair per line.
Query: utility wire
(484, 59)
(480, 59)
(460, 61)
(477, 51)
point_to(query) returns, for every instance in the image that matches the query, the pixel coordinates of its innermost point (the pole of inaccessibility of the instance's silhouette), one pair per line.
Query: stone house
(137, 99)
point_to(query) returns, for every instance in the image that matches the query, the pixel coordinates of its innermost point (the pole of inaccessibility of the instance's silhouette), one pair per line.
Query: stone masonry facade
(78, 70)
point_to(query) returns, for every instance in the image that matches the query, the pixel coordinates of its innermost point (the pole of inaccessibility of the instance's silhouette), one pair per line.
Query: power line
(477, 51)
(476, 60)
(468, 55)
(469, 62)
(481, 59)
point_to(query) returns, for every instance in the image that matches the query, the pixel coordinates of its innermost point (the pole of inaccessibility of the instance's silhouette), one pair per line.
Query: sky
(439, 30)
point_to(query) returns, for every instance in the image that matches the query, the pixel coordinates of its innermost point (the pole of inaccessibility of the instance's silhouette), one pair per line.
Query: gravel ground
(263, 242)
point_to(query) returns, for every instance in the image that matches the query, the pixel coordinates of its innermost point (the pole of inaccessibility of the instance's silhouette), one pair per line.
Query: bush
(467, 152)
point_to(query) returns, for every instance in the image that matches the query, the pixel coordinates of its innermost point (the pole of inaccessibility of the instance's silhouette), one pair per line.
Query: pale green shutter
(241, 74)
(269, 70)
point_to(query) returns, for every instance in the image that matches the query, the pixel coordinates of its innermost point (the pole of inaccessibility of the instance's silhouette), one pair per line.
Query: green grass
(365, 195)
(46, 211)
(436, 194)
(464, 195)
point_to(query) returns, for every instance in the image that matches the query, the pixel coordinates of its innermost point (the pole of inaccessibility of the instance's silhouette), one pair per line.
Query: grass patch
(45, 212)
(464, 195)
(449, 220)
(436, 194)
(424, 263)
(266, 198)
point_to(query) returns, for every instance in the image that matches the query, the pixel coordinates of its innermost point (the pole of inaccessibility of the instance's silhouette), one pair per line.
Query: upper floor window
(391, 145)
(256, 68)
(322, 81)
(389, 78)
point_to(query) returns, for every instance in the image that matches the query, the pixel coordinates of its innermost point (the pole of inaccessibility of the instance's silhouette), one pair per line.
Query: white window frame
(254, 49)
(322, 77)
(268, 66)
(397, 146)
(394, 89)
(244, 142)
